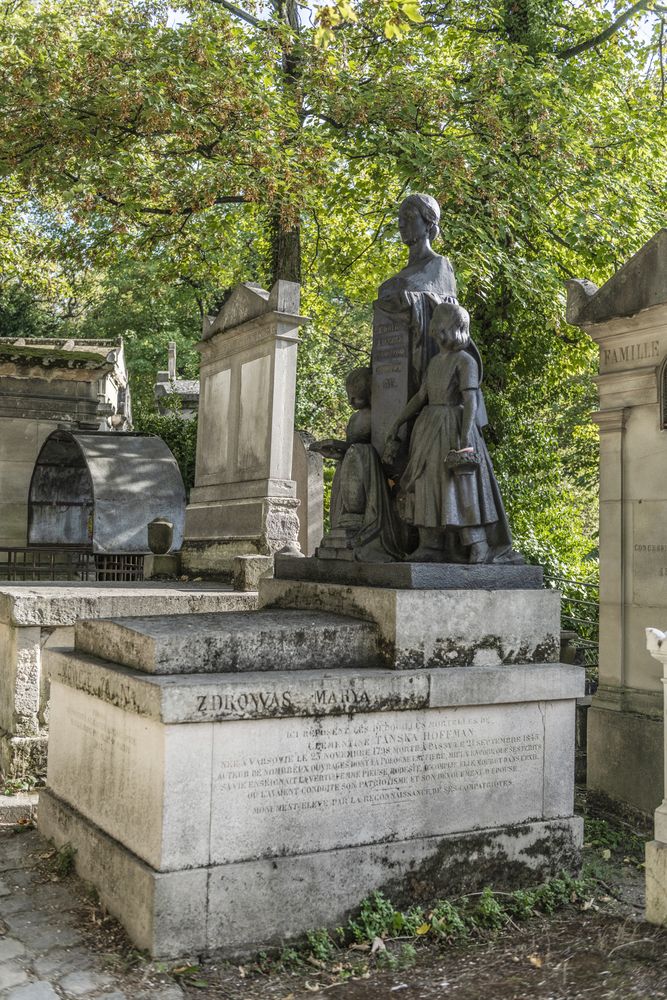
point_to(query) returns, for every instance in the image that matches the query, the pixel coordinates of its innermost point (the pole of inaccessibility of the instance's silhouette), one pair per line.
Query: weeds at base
(383, 937)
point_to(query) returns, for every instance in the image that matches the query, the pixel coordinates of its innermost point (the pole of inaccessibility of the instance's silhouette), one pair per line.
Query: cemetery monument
(244, 499)
(627, 317)
(231, 781)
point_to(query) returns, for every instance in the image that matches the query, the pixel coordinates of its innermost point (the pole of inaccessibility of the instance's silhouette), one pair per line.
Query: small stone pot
(160, 536)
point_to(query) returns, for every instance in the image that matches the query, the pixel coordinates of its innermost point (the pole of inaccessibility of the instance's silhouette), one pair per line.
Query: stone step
(232, 642)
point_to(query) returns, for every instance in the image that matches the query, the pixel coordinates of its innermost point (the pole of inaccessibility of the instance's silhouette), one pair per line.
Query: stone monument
(232, 781)
(46, 384)
(378, 724)
(627, 318)
(244, 500)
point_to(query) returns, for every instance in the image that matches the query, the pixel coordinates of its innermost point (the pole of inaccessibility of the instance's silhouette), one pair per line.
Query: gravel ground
(55, 942)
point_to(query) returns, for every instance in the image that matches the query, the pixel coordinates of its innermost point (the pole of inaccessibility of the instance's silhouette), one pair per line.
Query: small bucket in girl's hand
(462, 463)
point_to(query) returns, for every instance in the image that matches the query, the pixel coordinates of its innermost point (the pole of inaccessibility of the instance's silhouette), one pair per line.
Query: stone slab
(438, 628)
(147, 784)
(18, 808)
(64, 604)
(231, 642)
(241, 907)
(410, 575)
(204, 698)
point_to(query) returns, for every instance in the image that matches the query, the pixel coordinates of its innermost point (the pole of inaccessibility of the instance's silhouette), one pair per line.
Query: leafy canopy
(148, 152)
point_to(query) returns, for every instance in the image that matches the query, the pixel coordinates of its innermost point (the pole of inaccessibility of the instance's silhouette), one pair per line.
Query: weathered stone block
(247, 571)
(428, 628)
(261, 640)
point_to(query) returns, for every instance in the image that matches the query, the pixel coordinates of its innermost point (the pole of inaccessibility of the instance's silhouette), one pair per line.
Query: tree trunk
(285, 249)
(286, 239)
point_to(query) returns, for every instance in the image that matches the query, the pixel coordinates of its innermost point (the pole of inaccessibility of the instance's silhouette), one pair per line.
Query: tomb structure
(231, 781)
(46, 384)
(35, 617)
(627, 318)
(244, 499)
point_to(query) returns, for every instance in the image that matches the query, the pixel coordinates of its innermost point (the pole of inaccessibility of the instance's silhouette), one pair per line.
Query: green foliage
(487, 913)
(321, 945)
(18, 786)
(377, 918)
(148, 152)
(179, 435)
(447, 923)
(22, 315)
(404, 958)
(63, 863)
(619, 841)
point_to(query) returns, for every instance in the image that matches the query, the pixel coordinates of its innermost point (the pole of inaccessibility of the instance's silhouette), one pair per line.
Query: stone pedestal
(627, 317)
(244, 500)
(231, 784)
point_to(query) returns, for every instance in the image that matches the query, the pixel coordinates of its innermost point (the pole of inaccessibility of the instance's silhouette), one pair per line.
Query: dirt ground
(599, 947)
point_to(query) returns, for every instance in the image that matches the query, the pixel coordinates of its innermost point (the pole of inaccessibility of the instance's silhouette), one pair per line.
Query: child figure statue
(362, 520)
(450, 491)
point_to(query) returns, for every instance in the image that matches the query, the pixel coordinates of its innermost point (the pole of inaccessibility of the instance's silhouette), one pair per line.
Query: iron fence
(580, 614)
(51, 563)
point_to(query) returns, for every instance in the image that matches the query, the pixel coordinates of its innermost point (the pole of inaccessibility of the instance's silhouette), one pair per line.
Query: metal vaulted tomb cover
(99, 491)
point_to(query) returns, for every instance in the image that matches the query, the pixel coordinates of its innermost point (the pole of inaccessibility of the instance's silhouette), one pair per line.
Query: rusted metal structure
(98, 492)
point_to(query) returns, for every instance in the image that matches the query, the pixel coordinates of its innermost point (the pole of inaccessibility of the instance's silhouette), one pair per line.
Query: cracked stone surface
(46, 950)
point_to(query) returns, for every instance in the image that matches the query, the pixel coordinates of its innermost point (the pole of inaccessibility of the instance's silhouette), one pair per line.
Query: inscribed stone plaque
(252, 451)
(291, 786)
(632, 352)
(391, 371)
(214, 447)
(649, 553)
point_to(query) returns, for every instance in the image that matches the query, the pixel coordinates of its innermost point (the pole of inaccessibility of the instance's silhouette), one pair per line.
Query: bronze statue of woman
(426, 280)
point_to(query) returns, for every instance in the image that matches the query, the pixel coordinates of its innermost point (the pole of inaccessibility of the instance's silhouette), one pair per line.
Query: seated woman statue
(362, 521)
(450, 489)
(425, 281)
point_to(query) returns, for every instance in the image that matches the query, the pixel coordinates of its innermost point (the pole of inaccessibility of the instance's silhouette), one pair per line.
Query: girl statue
(451, 494)
(425, 281)
(362, 520)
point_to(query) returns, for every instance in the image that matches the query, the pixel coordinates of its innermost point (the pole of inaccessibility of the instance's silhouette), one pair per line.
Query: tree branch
(248, 18)
(603, 36)
(232, 199)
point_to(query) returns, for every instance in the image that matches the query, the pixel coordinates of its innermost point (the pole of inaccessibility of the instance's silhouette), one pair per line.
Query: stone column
(244, 500)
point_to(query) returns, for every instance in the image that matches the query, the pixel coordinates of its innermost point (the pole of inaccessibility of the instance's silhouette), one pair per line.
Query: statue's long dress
(360, 496)
(438, 497)
(418, 289)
